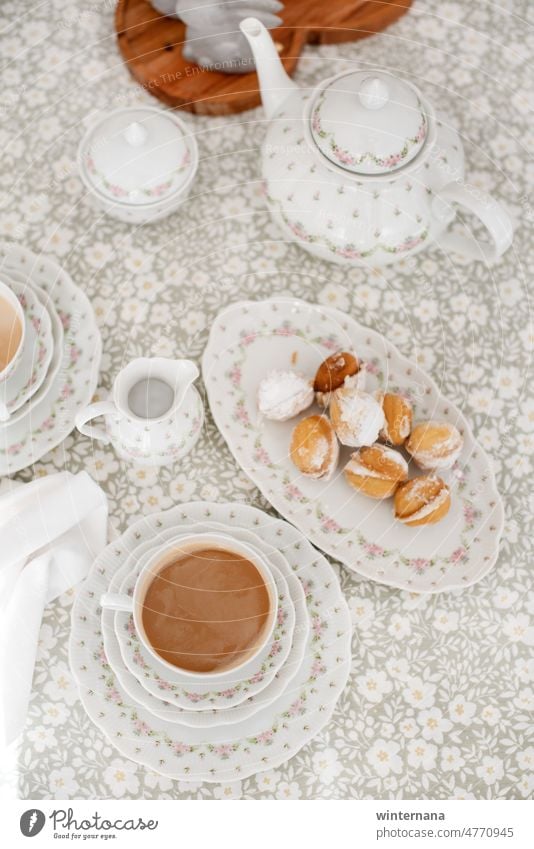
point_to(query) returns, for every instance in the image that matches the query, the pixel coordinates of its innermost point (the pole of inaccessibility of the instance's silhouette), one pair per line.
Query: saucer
(226, 715)
(194, 693)
(249, 338)
(221, 753)
(46, 422)
(283, 677)
(57, 336)
(36, 354)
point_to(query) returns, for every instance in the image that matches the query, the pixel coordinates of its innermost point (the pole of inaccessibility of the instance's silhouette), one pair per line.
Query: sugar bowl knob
(373, 93)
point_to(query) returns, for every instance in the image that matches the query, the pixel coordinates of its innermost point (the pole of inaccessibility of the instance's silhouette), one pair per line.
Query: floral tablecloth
(440, 699)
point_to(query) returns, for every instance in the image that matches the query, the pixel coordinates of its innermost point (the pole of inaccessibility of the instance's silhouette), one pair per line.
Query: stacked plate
(252, 718)
(57, 369)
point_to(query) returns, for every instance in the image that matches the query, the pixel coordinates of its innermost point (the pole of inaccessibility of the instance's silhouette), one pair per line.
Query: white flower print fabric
(439, 703)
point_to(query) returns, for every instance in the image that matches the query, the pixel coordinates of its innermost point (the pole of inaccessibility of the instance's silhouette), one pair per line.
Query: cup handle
(101, 408)
(490, 212)
(117, 601)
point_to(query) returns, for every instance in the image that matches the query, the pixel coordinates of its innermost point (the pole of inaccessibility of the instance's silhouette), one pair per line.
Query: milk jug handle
(490, 212)
(101, 408)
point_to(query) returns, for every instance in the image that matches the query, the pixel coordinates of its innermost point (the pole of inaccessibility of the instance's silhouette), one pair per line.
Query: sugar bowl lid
(368, 122)
(137, 155)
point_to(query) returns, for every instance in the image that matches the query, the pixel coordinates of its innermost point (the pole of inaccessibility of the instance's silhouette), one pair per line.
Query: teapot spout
(275, 84)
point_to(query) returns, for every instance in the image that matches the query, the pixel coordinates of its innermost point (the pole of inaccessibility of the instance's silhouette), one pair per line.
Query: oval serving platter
(251, 337)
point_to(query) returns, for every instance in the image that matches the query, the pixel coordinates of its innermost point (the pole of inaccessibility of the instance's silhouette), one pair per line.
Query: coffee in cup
(11, 329)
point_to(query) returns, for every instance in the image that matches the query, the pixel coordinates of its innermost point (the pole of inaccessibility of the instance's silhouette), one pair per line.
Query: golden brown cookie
(314, 447)
(332, 374)
(435, 445)
(422, 501)
(398, 414)
(376, 470)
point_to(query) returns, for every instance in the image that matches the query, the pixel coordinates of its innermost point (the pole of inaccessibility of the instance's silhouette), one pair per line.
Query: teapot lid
(137, 155)
(368, 122)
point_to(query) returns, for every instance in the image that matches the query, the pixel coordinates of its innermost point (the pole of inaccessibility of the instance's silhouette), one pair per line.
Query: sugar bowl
(138, 163)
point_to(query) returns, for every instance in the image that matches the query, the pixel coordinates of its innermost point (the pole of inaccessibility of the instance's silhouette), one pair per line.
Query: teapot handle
(101, 408)
(490, 212)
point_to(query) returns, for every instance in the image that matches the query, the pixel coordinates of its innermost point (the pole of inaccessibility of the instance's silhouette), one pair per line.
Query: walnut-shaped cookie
(435, 445)
(332, 374)
(284, 394)
(398, 414)
(314, 448)
(422, 501)
(376, 470)
(357, 416)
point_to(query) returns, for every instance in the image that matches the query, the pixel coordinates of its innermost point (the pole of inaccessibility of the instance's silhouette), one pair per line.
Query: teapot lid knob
(135, 134)
(373, 93)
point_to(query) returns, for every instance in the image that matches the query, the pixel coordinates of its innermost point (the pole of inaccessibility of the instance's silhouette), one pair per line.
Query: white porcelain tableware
(361, 172)
(46, 422)
(13, 329)
(57, 340)
(138, 163)
(154, 415)
(35, 356)
(222, 753)
(231, 689)
(249, 338)
(226, 714)
(168, 553)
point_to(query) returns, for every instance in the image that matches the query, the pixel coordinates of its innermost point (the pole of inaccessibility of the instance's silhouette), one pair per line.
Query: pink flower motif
(276, 648)
(296, 708)
(262, 456)
(130, 627)
(458, 555)
(329, 343)
(235, 376)
(74, 354)
(241, 414)
(373, 550)
(266, 738)
(293, 492)
(67, 391)
(48, 423)
(142, 728)
(15, 448)
(181, 748)
(318, 626)
(349, 253)
(65, 319)
(223, 751)
(248, 338)
(371, 367)
(330, 526)
(259, 676)
(194, 697)
(284, 330)
(228, 694)
(470, 513)
(164, 685)
(36, 322)
(114, 695)
(281, 616)
(318, 668)
(420, 564)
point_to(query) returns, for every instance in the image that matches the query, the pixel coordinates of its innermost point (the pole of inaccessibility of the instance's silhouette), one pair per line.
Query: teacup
(12, 331)
(203, 605)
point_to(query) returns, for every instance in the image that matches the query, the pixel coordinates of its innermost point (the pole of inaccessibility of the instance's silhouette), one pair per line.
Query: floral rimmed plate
(249, 338)
(222, 753)
(238, 704)
(207, 718)
(188, 693)
(37, 352)
(46, 423)
(57, 338)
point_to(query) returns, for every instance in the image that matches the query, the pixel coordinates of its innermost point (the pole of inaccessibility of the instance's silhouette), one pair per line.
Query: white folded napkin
(50, 532)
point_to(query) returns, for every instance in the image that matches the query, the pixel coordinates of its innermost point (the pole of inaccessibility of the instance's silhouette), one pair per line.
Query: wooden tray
(151, 46)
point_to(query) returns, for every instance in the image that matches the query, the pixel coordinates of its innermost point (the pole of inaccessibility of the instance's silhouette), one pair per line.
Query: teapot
(361, 171)
(155, 414)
